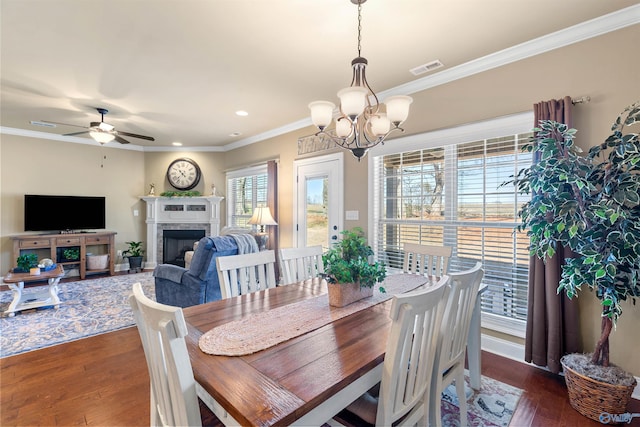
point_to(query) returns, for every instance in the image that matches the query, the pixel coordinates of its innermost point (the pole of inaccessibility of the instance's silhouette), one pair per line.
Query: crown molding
(593, 28)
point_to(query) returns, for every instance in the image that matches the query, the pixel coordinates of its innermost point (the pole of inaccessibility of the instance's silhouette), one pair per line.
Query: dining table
(264, 359)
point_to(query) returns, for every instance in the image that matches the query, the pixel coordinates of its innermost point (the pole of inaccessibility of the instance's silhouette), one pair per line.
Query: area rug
(492, 405)
(88, 307)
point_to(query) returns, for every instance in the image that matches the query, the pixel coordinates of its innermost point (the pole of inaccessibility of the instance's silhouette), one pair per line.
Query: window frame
(241, 173)
(514, 124)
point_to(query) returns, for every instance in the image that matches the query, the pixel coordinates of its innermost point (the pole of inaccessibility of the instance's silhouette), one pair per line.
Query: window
(451, 195)
(246, 189)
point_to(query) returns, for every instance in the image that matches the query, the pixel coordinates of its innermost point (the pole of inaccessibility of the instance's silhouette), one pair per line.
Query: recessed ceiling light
(242, 113)
(235, 134)
(177, 144)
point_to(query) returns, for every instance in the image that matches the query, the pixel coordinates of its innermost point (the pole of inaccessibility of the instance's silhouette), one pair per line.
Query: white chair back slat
(298, 264)
(410, 355)
(246, 273)
(162, 329)
(453, 337)
(428, 260)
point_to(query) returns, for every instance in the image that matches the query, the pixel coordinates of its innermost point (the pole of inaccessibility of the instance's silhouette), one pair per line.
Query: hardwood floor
(103, 380)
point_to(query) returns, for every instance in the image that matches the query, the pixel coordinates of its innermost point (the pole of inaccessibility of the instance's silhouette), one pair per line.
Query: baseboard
(514, 351)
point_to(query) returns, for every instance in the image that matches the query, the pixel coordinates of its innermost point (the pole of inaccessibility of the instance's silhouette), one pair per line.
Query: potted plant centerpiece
(349, 274)
(134, 254)
(590, 204)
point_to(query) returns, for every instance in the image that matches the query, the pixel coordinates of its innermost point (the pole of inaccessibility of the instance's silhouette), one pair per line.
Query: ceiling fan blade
(75, 133)
(121, 140)
(148, 138)
(63, 124)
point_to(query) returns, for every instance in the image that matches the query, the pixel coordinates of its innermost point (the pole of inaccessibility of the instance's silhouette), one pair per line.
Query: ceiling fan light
(106, 127)
(398, 108)
(352, 101)
(102, 137)
(321, 113)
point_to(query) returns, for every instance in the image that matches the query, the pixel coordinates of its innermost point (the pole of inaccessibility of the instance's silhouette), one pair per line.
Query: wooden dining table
(303, 381)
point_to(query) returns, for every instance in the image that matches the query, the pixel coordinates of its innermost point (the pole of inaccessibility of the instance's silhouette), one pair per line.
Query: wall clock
(183, 174)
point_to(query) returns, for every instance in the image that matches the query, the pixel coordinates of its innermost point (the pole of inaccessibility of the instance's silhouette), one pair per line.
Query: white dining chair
(408, 363)
(242, 274)
(452, 342)
(429, 260)
(298, 264)
(162, 329)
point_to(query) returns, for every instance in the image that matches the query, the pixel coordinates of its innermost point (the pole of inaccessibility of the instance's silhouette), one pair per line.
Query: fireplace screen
(176, 242)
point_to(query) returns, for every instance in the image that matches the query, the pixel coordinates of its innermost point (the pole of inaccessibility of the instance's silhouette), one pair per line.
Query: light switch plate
(352, 215)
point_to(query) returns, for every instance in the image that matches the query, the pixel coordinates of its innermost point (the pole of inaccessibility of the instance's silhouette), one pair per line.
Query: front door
(318, 201)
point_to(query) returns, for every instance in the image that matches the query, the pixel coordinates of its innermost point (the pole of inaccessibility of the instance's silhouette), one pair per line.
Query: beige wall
(605, 68)
(38, 166)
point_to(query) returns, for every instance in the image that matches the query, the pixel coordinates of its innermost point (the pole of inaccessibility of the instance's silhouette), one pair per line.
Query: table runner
(260, 331)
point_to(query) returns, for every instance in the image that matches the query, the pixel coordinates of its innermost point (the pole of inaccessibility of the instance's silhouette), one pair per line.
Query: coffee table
(22, 301)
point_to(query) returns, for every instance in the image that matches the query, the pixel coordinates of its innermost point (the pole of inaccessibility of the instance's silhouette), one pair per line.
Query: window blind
(246, 189)
(451, 195)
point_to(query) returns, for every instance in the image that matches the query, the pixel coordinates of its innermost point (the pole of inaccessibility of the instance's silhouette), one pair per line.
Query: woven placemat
(260, 331)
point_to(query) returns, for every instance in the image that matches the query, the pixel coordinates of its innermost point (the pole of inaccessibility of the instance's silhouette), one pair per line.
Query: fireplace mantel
(177, 213)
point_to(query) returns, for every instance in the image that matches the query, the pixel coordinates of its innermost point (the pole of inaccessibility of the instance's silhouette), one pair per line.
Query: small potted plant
(134, 254)
(26, 262)
(590, 204)
(349, 274)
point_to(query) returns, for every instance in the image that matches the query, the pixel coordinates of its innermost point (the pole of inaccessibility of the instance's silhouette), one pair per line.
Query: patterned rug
(88, 307)
(492, 405)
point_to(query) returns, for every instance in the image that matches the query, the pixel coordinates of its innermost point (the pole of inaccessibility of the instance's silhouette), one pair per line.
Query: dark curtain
(272, 203)
(552, 318)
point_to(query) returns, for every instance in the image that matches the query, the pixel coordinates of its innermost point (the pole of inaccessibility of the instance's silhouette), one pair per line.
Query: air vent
(425, 68)
(43, 124)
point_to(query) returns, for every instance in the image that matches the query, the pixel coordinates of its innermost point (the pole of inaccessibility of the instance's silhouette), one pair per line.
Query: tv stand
(54, 246)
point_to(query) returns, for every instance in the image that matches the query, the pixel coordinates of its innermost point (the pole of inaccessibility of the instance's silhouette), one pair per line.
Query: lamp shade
(380, 124)
(352, 101)
(343, 127)
(398, 108)
(102, 137)
(262, 216)
(321, 113)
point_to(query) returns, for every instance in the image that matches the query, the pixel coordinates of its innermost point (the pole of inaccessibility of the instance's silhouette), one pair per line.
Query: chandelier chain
(359, 27)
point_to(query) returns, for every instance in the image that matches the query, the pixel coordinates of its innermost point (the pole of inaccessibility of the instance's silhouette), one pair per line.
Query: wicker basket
(97, 262)
(341, 294)
(592, 398)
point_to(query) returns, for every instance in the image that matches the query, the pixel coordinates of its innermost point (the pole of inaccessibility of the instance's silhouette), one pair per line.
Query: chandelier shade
(361, 122)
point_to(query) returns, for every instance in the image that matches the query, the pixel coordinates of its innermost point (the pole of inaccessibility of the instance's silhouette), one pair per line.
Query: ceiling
(179, 70)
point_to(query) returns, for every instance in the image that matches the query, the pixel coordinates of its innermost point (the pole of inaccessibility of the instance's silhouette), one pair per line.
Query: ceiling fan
(103, 132)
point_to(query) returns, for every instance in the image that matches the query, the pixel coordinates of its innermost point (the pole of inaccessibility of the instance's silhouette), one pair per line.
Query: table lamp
(262, 216)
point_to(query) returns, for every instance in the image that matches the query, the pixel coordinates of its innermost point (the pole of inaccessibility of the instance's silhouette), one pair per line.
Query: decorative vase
(593, 398)
(341, 294)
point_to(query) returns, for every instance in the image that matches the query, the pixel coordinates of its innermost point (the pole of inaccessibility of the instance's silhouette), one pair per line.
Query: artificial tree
(590, 204)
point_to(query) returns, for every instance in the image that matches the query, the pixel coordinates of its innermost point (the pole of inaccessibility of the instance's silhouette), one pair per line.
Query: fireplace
(188, 214)
(176, 242)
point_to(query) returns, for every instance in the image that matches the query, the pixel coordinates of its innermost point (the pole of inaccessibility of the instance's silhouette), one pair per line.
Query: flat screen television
(63, 213)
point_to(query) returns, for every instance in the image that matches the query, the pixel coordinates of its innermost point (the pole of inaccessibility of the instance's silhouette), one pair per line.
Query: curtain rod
(581, 100)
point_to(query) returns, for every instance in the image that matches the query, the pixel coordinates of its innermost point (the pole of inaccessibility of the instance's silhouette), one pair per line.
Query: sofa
(198, 284)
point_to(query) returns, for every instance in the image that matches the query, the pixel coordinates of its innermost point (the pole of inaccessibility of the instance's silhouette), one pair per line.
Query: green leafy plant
(590, 204)
(348, 261)
(71, 254)
(134, 250)
(27, 261)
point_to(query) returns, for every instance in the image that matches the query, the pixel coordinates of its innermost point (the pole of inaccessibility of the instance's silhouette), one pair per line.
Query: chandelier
(361, 124)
